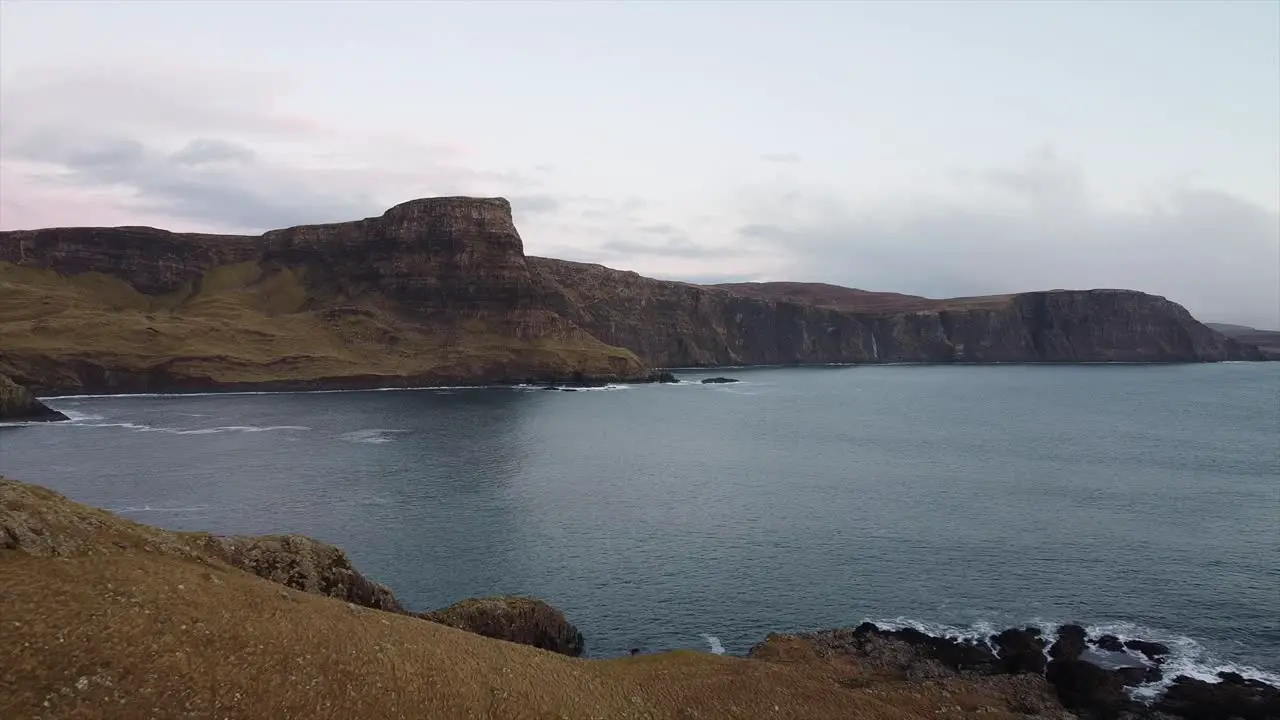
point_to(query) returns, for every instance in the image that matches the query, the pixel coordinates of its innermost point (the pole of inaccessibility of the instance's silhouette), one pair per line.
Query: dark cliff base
(439, 292)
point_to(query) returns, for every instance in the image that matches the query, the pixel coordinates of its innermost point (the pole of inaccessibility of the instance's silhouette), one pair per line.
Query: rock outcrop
(523, 620)
(18, 404)
(303, 564)
(674, 324)
(439, 291)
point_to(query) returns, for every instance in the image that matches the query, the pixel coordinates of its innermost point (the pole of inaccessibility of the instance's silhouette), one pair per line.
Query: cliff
(1268, 341)
(434, 291)
(18, 404)
(680, 325)
(439, 291)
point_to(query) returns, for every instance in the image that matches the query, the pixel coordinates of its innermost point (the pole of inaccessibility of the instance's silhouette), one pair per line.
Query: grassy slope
(246, 324)
(119, 620)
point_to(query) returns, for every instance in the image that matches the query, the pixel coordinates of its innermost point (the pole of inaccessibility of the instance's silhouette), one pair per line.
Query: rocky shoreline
(1092, 676)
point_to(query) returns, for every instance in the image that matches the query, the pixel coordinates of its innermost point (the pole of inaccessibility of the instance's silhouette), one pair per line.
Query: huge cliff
(432, 291)
(440, 291)
(681, 325)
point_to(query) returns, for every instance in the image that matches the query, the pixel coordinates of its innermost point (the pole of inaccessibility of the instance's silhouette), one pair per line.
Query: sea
(1141, 500)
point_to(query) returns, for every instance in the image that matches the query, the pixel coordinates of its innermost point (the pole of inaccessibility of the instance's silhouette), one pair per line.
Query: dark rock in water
(1110, 642)
(1138, 674)
(718, 381)
(667, 378)
(903, 654)
(18, 404)
(1153, 650)
(1021, 651)
(1070, 643)
(523, 620)
(1088, 690)
(1234, 697)
(569, 389)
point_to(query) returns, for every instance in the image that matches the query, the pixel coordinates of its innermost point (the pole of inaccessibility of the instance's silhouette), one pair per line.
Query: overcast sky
(936, 148)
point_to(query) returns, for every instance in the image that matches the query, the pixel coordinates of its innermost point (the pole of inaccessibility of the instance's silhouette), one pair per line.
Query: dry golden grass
(247, 324)
(104, 618)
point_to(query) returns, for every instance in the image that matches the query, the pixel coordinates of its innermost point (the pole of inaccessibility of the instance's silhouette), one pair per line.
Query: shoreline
(360, 384)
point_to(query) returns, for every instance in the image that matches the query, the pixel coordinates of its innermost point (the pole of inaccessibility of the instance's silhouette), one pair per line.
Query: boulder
(1021, 651)
(303, 564)
(523, 620)
(1153, 650)
(1110, 643)
(1088, 690)
(666, 378)
(1070, 643)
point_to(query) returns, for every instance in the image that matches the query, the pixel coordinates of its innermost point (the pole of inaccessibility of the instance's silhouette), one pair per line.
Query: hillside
(439, 291)
(105, 618)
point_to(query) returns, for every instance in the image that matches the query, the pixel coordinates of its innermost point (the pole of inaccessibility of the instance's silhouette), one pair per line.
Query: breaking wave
(372, 436)
(1186, 655)
(714, 643)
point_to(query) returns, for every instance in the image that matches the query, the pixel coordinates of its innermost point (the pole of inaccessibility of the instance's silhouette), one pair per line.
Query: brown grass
(248, 324)
(118, 620)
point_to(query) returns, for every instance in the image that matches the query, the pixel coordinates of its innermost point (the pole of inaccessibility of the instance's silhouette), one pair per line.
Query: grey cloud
(184, 143)
(786, 158)
(534, 205)
(1216, 254)
(671, 247)
(211, 150)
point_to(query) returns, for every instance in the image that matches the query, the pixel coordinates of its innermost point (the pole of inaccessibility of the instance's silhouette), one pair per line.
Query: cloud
(214, 149)
(1034, 227)
(787, 157)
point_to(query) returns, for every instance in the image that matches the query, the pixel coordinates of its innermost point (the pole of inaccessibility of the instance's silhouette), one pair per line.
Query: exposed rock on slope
(303, 564)
(432, 291)
(677, 325)
(523, 620)
(18, 404)
(1268, 341)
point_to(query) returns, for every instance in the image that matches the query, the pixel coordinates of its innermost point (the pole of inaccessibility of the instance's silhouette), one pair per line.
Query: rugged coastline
(438, 291)
(110, 618)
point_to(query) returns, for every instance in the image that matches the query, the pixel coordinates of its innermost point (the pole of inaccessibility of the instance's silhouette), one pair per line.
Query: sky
(933, 148)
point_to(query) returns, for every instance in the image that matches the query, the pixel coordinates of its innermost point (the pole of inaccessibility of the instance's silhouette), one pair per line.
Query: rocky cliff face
(679, 325)
(434, 291)
(18, 404)
(439, 291)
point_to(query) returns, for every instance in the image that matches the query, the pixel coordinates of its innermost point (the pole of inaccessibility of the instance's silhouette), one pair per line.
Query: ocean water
(1140, 499)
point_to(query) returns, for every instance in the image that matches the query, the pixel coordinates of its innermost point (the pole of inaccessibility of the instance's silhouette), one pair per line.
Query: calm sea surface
(1141, 498)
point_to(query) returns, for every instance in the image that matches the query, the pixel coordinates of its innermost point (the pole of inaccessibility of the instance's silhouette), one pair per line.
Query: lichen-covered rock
(524, 620)
(18, 404)
(305, 564)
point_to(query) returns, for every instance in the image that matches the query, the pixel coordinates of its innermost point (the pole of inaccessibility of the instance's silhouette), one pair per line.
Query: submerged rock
(667, 378)
(718, 381)
(1110, 643)
(523, 620)
(1153, 650)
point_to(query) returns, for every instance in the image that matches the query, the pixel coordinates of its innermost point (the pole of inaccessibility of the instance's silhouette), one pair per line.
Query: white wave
(140, 427)
(148, 508)
(240, 393)
(372, 436)
(77, 416)
(1186, 655)
(714, 642)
